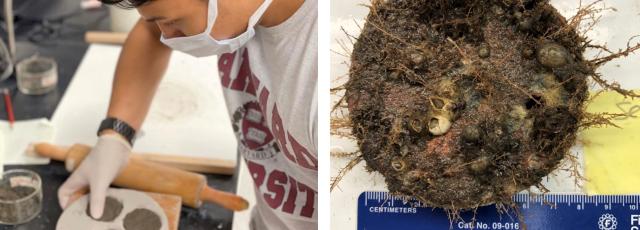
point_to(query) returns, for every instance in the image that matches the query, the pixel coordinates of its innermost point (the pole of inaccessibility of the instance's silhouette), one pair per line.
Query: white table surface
(188, 115)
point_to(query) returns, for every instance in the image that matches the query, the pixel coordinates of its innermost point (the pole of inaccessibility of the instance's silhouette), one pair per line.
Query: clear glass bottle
(6, 63)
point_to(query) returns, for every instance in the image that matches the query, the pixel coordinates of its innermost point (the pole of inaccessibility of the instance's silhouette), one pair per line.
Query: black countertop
(208, 216)
(63, 39)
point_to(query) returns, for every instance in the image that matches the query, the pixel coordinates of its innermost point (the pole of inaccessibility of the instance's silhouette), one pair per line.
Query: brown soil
(463, 103)
(39, 66)
(7, 194)
(142, 219)
(112, 209)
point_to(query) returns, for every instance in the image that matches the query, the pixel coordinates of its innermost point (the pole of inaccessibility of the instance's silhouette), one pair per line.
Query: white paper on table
(17, 139)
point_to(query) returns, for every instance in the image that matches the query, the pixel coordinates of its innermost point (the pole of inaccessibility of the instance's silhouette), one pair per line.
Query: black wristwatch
(120, 127)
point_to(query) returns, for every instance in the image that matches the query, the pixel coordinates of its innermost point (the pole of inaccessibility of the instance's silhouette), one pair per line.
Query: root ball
(491, 114)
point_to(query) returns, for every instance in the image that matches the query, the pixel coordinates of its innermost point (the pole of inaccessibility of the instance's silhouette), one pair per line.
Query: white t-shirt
(271, 94)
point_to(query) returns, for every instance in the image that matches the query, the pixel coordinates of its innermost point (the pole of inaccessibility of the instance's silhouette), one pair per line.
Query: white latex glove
(98, 170)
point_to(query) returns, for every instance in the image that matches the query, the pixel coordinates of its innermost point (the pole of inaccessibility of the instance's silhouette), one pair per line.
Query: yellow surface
(612, 155)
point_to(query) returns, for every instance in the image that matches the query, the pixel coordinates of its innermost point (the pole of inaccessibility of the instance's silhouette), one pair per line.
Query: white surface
(17, 140)
(75, 217)
(188, 116)
(246, 190)
(349, 15)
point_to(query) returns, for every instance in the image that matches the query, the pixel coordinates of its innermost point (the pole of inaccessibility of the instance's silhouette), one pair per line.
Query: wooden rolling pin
(151, 177)
(191, 164)
(105, 37)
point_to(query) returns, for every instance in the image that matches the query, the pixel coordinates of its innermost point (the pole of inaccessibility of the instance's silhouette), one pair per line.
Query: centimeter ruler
(379, 210)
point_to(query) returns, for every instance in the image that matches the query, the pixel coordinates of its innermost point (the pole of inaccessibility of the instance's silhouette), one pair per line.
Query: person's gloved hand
(98, 170)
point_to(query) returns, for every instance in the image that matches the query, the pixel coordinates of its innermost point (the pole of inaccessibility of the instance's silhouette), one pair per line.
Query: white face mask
(201, 45)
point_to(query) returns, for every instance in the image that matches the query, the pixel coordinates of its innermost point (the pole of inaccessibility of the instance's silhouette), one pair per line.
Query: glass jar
(37, 75)
(20, 196)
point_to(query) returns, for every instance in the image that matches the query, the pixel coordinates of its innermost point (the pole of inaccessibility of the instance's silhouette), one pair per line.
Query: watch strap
(119, 126)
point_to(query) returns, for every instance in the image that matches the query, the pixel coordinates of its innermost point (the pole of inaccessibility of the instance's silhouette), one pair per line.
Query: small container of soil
(20, 196)
(37, 75)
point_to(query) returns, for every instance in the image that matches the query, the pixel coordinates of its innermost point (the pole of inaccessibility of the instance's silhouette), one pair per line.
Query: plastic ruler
(379, 210)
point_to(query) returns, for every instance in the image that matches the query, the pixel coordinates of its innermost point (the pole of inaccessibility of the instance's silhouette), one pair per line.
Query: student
(268, 68)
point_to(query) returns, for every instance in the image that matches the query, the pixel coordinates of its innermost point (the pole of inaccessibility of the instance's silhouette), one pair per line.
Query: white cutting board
(188, 116)
(614, 30)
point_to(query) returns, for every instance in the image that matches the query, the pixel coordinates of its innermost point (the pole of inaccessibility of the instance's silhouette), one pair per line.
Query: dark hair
(126, 4)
